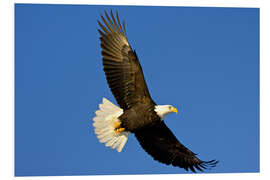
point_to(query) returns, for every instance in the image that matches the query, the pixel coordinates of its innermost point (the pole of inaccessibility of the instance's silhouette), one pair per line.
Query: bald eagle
(138, 113)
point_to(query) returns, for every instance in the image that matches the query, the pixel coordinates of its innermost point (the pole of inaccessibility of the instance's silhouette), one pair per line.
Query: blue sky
(204, 61)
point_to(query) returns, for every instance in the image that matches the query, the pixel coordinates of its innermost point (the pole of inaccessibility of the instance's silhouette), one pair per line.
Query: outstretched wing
(121, 65)
(162, 145)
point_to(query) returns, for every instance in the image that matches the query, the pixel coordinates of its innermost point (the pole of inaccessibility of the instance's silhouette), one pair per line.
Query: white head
(163, 110)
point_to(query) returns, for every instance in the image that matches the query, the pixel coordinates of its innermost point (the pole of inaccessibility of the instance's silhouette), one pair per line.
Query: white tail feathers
(106, 117)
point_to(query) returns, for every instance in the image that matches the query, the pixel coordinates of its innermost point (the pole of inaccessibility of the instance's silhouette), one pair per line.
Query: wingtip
(202, 165)
(208, 164)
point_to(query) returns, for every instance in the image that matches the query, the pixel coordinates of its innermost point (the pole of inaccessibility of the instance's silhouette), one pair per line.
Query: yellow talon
(119, 130)
(117, 125)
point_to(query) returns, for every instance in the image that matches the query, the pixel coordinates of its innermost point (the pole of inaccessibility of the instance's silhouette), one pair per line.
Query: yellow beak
(174, 110)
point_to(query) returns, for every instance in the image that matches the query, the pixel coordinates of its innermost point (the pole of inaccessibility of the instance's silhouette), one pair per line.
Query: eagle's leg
(118, 128)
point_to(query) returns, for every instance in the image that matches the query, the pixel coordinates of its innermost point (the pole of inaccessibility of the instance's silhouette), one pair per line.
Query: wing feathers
(120, 63)
(108, 18)
(103, 28)
(119, 24)
(124, 28)
(114, 22)
(108, 26)
(162, 145)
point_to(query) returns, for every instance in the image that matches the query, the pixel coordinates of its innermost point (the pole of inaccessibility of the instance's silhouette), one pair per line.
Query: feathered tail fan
(106, 118)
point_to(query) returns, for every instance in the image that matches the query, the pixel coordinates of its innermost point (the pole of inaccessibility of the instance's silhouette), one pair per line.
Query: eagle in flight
(138, 113)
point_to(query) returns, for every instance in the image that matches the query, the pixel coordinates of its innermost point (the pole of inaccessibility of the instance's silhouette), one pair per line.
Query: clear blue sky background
(204, 61)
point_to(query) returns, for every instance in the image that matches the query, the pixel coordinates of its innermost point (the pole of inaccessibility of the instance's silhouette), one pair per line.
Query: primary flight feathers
(138, 113)
(121, 65)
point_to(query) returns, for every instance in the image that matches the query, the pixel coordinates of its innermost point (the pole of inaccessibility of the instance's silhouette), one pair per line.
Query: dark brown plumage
(162, 145)
(121, 65)
(126, 81)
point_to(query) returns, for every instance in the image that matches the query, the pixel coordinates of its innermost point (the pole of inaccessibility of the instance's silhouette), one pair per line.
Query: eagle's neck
(162, 110)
